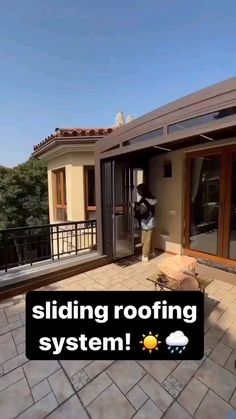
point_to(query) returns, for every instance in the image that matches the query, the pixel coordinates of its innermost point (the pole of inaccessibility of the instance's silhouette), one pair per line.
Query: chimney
(129, 118)
(120, 119)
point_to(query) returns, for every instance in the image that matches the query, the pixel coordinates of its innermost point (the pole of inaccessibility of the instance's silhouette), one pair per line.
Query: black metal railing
(27, 245)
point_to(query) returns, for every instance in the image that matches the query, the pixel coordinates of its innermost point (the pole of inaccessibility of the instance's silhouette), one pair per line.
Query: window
(145, 137)
(90, 201)
(200, 120)
(59, 194)
(112, 148)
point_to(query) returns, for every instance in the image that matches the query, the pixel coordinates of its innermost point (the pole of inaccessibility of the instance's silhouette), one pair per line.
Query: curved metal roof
(217, 97)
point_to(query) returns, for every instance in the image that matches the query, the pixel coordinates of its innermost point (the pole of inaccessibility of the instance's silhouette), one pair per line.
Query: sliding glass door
(232, 228)
(119, 192)
(210, 211)
(123, 224)
(205, 203)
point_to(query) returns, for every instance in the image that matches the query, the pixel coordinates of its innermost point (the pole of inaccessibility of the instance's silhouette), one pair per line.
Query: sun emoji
(150, 342)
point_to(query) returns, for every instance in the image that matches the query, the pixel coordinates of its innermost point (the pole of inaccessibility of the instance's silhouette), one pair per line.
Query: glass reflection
(205, 187)
(201, 120)
(232, 243)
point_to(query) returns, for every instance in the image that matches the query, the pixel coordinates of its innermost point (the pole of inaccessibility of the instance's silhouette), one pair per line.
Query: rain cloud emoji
(177, 341)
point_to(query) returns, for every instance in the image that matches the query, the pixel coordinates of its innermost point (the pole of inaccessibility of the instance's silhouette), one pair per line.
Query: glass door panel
(205, 203)
(232, 236)
(107, 208)
(123, 234)
(138, 177)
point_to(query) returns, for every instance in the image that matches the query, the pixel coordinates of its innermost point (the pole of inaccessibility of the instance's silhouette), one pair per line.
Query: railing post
(76, 238)
(30, 241)
(51, 232)
(92, 235)
(5, 250)
(96, 238)
(25, 238)
(58, 244)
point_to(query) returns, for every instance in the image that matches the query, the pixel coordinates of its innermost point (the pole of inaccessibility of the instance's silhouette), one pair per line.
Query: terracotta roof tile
(74, 132)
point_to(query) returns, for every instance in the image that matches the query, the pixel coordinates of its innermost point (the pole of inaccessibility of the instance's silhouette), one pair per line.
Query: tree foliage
(24, 195)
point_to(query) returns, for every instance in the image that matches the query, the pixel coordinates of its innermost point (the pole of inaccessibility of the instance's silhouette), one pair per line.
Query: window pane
(58, 188)
(201, 120)
(91, 188)
(205, 191)
(148, 136)
(120, 187)
(138, 177)
(61, 214)
(64, 186)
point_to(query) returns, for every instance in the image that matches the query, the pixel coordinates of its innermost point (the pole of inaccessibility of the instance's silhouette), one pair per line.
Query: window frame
(88, 208)
(203, 119)
(63, 193)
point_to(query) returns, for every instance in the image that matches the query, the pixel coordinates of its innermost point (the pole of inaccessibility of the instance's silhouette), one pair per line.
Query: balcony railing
(28, 245)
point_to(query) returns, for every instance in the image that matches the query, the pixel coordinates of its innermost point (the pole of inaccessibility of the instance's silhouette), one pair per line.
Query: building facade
(70, 157)
(69, 154)
(186, 152)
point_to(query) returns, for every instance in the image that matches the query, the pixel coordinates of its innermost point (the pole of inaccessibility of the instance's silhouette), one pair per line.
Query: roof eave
(67, 141)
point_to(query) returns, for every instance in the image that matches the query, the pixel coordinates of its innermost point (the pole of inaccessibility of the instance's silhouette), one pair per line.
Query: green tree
(24, 195)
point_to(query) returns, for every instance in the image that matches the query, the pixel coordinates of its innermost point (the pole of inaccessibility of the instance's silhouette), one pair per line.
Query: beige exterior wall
(169, 193)
(74, 165)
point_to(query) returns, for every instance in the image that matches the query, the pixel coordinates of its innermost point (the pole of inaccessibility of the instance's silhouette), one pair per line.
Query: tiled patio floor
(121, 390)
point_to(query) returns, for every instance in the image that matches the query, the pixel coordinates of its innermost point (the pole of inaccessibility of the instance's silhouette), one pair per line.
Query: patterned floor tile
(111, 404)
(40, 390)
(96, 367)
(159, 370)
(71, 409)
(72, 367)
(126, 374)
(217, 378)
(149, 411)
(137, 397)
(37, 371)
(192, 395)
(15, 399)
(156, 392)
(88, 393)
(212, 406)
(79, 380)
(61, 386)
(173, 386)
(40, 409)
(176, 411)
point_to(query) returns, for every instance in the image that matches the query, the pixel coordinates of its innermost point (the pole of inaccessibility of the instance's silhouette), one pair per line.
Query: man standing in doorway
(145, 214)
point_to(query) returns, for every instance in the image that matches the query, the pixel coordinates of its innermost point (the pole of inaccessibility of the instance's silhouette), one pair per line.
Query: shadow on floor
(132, 260)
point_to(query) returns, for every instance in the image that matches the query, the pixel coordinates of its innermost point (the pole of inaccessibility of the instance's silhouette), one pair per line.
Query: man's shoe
(145, 259)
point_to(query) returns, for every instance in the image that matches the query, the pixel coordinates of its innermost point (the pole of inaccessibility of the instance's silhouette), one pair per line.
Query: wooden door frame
(225, 194)
(228, 157)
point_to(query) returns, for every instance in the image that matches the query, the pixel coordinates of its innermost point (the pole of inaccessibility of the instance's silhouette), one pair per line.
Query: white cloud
(177, 339)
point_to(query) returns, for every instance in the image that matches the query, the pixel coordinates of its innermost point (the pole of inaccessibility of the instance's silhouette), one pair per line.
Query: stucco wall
(168, 192)
(170, 195)
(74, 165)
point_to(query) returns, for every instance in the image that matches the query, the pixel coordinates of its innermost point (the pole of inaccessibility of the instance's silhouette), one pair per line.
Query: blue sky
(76, 63)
